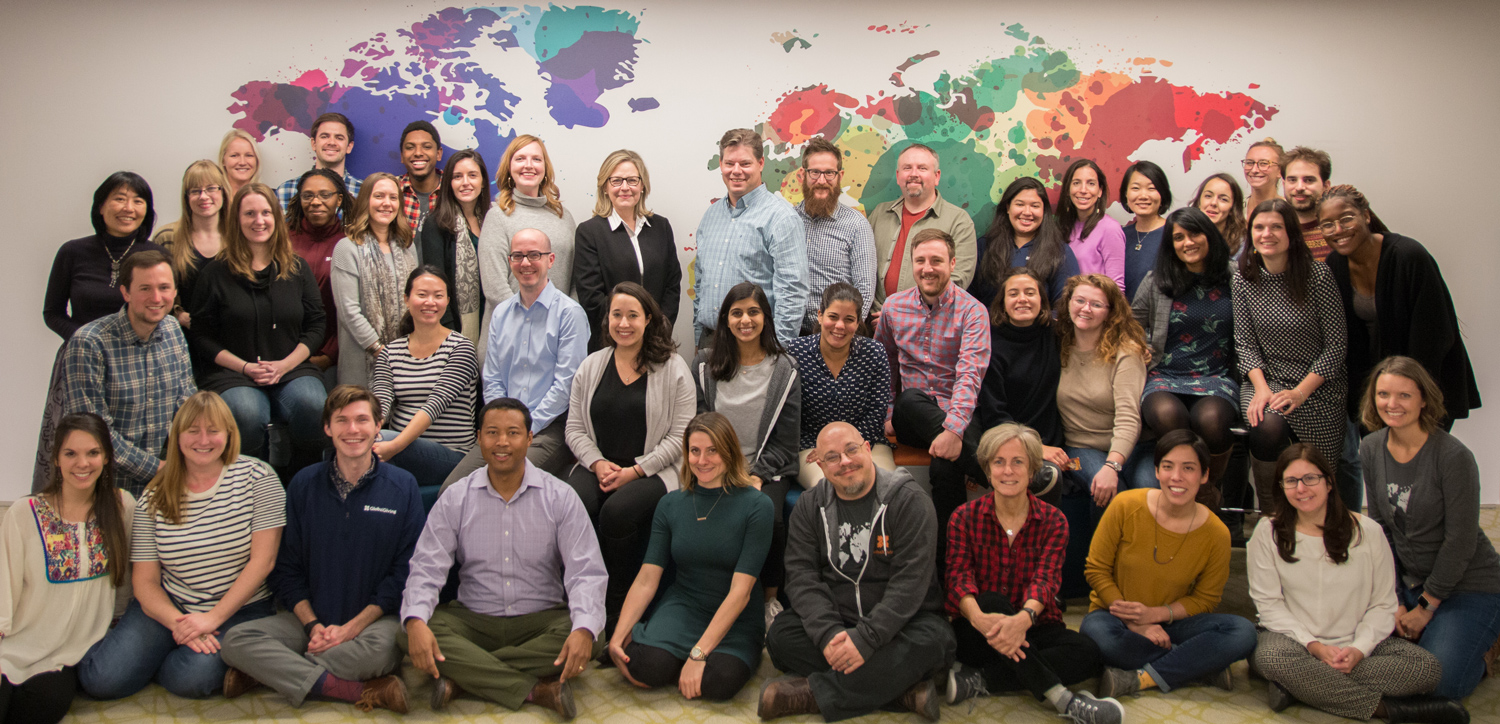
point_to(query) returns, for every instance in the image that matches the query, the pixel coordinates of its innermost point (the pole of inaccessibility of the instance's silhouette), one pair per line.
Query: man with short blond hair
(920, 208)
(840, 243)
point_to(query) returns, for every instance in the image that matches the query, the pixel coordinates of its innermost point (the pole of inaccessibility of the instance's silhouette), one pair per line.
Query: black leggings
(623, 519)
(723, 674)
(1208, 415)
(773, 573)
(1270, 437)
(41, 699)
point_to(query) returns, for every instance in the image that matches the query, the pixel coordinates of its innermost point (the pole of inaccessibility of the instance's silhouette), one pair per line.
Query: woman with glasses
(314, 224)
(1324, 586)
(1423, 488)
(624, 242)
(1395, 301)
(200, 230)
(1262, 167)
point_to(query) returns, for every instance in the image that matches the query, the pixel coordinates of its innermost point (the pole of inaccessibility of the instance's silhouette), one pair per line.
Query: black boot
(1425, 710)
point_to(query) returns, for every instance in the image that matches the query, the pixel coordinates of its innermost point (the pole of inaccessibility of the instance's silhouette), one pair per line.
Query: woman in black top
(1024, 234)
(1395, 302)
(257, 316)
(463, 200)
(83, 285)
(1020, 384)
(624, 242)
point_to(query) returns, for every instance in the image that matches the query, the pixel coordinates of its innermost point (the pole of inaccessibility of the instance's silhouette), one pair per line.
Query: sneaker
(773, 608)
(964, 683)
(1085, 708)
(786, 696)
(1118, 682)
(922, 698)
(1277, 697)
(1223, 679)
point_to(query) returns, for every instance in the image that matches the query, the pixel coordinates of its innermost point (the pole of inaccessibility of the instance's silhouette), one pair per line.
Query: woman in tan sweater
(1103, 353)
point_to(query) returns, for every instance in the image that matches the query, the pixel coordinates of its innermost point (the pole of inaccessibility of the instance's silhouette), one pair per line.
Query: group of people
(455, 380)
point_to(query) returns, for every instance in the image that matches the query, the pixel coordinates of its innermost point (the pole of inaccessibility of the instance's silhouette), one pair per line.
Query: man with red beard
(1304, 180)
(840, 243)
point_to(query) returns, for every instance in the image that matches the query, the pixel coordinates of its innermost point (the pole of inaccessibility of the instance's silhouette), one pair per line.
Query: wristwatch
(698, 654)
(1112, 465)
(1424, 602)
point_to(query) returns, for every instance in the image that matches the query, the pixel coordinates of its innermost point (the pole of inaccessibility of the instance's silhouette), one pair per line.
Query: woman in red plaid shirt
(1005, 554)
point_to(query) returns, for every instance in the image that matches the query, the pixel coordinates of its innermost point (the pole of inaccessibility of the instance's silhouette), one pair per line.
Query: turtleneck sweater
(530, 212)
(78, 290)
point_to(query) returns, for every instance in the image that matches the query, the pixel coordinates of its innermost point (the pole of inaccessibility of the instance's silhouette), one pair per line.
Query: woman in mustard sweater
(1158, 564)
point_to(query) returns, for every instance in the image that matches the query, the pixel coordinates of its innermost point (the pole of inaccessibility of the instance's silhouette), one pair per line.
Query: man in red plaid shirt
(421, 154)
(938, 341)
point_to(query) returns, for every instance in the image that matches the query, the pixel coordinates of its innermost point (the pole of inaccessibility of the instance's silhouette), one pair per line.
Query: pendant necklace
(710, 508)
(1138, 237)
(1156, 535)
(114, 262)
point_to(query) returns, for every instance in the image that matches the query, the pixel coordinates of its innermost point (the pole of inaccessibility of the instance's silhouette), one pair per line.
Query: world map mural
(1028, 113)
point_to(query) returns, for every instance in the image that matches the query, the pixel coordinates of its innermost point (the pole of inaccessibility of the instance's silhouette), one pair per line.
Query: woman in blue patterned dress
(1184, 305)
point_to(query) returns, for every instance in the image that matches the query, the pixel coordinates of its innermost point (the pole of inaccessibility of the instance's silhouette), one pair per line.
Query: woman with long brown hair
(1220, 199)
(67, 546)
(1095, 239)
(198, 234)
(448, 238)
(369, 266)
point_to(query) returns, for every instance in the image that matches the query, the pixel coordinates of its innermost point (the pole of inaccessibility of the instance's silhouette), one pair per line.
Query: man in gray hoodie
(864, 625)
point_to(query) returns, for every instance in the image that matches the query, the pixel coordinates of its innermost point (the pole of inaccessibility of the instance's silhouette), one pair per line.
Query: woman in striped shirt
(427, 384)
(205, 537)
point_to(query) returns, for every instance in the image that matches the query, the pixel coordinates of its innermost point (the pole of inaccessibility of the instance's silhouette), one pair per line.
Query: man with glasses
(1304, 180)
(864, 629)
(332, 141)
(840, 243)
(538, 337)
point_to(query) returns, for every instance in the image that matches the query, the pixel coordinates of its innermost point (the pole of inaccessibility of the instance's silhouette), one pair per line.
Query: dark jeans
(1055, 655)
(1351, 482)
(918, 420)
(924, 646)
(298, 403)
(139, 649)
(622, 518)
(723, 674)
(1462, 630)
(42, 699)
(1201, 646)
(428, 461)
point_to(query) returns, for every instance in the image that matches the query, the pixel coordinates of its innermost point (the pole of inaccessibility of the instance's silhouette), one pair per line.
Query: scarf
(380, 289)
(465, 269)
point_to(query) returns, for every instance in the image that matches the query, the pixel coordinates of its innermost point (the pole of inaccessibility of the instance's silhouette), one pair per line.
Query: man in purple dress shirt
(531, 579)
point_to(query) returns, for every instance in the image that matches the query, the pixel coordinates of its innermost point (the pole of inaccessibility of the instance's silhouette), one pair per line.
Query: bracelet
(308, 627)
(1171, 615)
(1030, 613)
(639, 471)
(244, 367)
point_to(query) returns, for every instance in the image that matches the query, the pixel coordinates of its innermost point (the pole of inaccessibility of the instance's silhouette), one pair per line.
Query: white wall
(1399, 93)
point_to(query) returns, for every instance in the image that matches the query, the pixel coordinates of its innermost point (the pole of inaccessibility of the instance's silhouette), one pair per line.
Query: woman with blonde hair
(707, 631)
(205, 537)
(370, 267)
(528, 198)
(257, 316)
(198, 234)
(239, 160)
(624, 242)
(1262, 167)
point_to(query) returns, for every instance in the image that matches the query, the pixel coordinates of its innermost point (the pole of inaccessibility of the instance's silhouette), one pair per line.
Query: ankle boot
(1261, 473)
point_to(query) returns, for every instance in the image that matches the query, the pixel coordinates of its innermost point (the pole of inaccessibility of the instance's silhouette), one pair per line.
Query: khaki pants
(809, 474)
(273, 651)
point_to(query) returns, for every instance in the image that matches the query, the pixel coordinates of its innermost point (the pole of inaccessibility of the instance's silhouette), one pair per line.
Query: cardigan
(435, 246)
(356, 334)
(671, 403)
(78, 289)
(1416, 318)
(1021, 381)
(780, 421)
(604, 257)
(260, 319)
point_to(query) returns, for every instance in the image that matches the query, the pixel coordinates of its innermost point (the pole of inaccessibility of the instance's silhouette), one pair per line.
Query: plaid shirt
(941, 350)
(980, 560)
(411, 202)
(840, 248)
(287, 191)
(136, 385)
(341, 485)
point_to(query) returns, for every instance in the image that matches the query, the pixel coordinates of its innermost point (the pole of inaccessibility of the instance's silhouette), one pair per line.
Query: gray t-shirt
(856, 520)
(743, 401)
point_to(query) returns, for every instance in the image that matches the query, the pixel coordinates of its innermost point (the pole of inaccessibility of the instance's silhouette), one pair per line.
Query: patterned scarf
(380, 289)
(465, 268)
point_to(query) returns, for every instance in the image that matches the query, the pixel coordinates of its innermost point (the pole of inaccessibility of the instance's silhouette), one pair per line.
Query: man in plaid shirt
(938, 341)
(131, 368)
(332, 140)
(421, 154)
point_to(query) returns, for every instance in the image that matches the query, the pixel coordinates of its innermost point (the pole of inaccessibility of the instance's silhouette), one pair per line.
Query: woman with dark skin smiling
(1395, 301)
(314, 224)
(1024, 234)
(449, 238)
(1144, 193)
(1219, 197)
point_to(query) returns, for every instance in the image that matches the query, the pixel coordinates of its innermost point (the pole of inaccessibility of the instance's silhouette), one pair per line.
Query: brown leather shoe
(237, 682)
(386, 692)
(443, 691)
(922, 698)
(786, 696)
(556, 695)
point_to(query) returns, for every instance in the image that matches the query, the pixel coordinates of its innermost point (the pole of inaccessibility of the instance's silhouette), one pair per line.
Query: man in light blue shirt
(750, 235)
(538, 338)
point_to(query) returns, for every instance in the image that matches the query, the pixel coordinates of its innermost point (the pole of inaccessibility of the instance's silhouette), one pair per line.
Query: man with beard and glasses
(920, 207)
(840, 243)
(1304, 180)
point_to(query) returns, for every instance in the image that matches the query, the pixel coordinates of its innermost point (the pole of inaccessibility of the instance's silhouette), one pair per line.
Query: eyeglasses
(1311, 480)
(850, 451)
(1262, 164)
(311, 196)
(205, 191)
(1096, 306)
(631, 181)
(816, 174)
(1347, 221)
(531, 256)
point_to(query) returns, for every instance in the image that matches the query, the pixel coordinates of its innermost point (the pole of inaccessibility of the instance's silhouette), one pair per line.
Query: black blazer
(435, 245)
(1415, 317)
(603, 257)
(265, 318)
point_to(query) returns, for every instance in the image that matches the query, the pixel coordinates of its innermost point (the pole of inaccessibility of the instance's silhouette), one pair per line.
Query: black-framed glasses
(532, 256)
(1311, 480)
(311, 196)
(816, 174)
(205, 191)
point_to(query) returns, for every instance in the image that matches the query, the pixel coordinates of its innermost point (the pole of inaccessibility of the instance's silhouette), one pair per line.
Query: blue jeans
(1201, 646)
(1462, 630)
(428, 461)
(1077, 505)
(138, 649)
(299, 403)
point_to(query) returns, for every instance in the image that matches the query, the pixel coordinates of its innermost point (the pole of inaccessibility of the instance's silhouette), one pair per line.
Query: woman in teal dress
(706, 633)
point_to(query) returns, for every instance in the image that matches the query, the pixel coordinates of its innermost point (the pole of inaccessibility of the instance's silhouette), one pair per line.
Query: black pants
(723, 674)
(773, 573)
(41, 699)
(622, 518)
(924, 646)
(1057, 654)
(918, 420)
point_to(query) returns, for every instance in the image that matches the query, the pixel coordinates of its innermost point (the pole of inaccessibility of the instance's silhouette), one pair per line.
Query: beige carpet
(603, 697)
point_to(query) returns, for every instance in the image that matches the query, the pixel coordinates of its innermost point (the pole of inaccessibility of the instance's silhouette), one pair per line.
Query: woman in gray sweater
(1423, 488)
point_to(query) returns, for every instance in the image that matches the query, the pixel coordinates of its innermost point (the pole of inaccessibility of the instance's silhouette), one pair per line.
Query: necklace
(114, 262)
(710, 508)
(1138, 237)
(1156, 534)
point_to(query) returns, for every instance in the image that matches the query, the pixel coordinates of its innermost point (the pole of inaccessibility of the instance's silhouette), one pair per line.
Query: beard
(816, 207)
